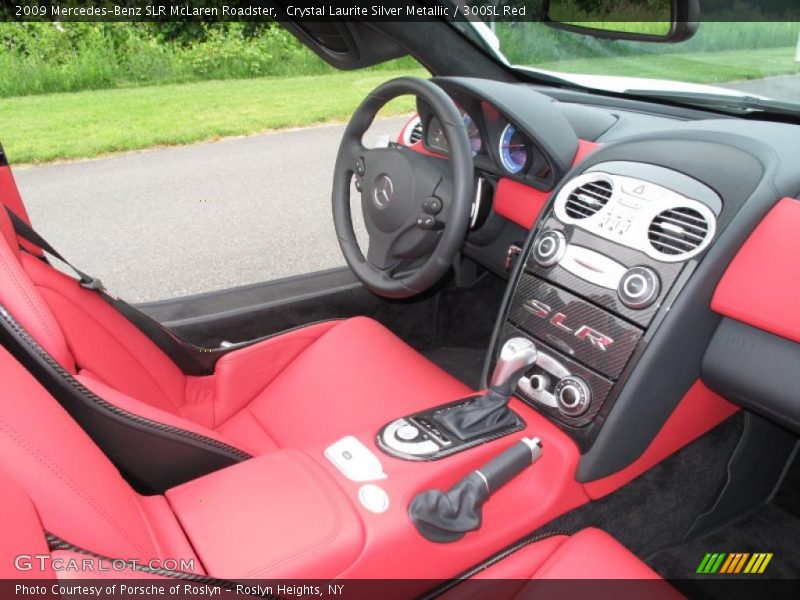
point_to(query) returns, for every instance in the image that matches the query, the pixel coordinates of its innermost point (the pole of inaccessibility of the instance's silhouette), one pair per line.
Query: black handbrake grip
(446, 516)
(503, 468)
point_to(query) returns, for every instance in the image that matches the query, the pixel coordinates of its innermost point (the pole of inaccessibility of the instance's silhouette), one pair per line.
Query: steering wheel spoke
(379, 254)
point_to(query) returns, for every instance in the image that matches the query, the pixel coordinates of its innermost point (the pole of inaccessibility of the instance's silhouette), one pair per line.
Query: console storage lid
(278, 516)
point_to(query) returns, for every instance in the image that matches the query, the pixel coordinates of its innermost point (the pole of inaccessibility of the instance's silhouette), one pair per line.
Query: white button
(407, 432)
(355, 460)
(373, 498)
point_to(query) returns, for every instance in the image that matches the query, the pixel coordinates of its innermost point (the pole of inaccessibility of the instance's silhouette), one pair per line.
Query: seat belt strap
(187, 357)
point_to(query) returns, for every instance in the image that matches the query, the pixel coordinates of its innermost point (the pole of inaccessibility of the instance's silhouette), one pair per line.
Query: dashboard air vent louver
(416, 133)
(587, 199)
(677, 231)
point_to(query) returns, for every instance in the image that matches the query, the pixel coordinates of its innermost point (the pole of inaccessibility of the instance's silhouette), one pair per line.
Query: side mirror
(659, 21)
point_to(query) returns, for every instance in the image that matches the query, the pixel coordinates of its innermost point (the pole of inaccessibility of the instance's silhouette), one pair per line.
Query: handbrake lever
(447, 516)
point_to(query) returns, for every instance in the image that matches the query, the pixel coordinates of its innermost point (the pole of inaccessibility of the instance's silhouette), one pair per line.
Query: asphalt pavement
(169, 222)
(785, 88)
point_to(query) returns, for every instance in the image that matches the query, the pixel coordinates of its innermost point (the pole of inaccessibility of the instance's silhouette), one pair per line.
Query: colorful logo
(734, 563)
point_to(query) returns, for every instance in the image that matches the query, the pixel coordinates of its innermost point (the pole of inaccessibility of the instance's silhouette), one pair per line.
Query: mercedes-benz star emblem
(383, 191)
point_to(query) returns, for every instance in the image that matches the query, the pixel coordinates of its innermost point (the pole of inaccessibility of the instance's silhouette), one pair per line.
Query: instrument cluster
(499, 146)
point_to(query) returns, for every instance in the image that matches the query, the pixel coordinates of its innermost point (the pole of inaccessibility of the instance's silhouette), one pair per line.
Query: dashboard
(614, 275)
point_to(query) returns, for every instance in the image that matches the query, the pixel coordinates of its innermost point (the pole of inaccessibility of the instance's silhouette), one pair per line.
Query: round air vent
(678, 231)
(416, 133)
(587, 199)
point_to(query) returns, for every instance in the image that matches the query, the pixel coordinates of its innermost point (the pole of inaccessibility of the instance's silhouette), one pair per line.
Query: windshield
(738, 59)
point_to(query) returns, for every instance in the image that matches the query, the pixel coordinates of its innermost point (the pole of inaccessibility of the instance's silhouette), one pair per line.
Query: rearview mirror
(661, 21)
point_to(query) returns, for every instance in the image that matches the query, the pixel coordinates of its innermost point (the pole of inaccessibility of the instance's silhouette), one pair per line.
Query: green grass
(697, 67)
(86, 124)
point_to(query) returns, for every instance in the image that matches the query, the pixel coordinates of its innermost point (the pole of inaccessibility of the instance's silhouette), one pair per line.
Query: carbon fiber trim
(555, 317)
(86, 394)
(667, 272)
(455, 446)
(599, 385)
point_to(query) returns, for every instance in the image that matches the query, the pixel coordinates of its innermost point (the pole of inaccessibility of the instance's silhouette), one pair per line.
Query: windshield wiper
(728, 103)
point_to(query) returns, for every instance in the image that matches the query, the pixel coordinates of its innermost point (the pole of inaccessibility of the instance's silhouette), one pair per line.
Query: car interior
(569, 352)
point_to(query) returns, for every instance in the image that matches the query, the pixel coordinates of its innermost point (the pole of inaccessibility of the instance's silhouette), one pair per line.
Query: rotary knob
(573, 396)
(639, 287)
(549, 248)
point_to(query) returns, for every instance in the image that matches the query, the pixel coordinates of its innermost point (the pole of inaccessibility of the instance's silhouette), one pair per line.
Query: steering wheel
(416, 206)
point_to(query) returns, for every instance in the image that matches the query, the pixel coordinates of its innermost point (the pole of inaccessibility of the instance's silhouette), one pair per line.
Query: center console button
(355, 460)
(407, 433)
(539, 382)
(373, 498)
(639, 287)
(549, 248)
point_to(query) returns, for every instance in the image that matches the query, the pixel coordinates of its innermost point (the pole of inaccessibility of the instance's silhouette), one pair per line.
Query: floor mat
(769, 529)
(773, 528)
(464, 364)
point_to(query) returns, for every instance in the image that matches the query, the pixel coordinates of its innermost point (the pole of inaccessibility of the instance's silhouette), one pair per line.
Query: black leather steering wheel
(416, 207)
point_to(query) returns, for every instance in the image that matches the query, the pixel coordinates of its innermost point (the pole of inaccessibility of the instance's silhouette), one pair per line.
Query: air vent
(416, 134)
(678, 231)
(589, 198)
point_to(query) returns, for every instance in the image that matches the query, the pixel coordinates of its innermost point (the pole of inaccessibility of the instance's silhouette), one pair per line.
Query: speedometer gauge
(513, 149)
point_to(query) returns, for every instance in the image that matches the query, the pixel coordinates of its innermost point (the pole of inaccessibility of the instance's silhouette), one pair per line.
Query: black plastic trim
(755, 369)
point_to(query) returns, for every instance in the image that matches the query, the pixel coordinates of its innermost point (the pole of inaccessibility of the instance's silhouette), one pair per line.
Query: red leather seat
(73, 504)
(589, 554)
(311, 385)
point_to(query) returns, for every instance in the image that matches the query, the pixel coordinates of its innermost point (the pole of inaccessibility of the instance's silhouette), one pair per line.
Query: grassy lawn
(90, 123)
(698, 67)
(85, 124)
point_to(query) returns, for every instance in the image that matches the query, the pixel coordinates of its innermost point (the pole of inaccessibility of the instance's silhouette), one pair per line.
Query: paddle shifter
(444, 430)
(490, 413)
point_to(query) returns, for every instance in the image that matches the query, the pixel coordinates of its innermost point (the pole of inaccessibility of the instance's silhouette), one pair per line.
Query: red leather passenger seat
(311, 385)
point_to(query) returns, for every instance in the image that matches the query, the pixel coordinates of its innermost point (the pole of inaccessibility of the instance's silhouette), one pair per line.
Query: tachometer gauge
(437, 140)
(513, 149)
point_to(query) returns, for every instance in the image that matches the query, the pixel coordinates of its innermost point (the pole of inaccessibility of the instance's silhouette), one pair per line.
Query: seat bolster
(242, 374)
(146, 411)
(105, 342)
(23, 301)
(593, 554)
(77, 492)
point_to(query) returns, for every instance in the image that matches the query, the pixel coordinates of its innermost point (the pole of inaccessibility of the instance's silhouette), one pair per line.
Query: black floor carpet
(657, 509)
(774, 528)
(464, 364)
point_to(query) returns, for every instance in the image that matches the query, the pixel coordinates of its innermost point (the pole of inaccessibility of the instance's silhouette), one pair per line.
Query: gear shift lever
(490, 413)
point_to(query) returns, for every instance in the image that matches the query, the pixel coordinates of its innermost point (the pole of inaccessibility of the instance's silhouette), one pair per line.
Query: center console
(606, 260)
